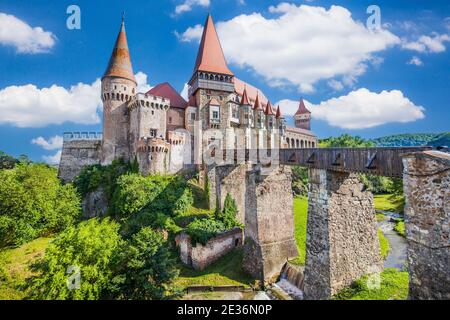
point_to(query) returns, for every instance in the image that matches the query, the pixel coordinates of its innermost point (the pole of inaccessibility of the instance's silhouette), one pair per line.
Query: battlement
(176, 138)
(153, 145)
(149, 101)
(73, 136)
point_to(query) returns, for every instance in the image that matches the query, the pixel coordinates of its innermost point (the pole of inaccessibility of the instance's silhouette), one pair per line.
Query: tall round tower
(118, 88)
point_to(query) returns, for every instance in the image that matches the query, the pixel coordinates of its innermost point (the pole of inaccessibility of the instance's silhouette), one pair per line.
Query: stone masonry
(427, 220)
(269, 223)
(342, 240)
(77, 154)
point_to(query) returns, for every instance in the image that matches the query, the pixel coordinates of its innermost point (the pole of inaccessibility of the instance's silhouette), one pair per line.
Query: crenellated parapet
(154, 145)
(149, 101)
(176, 138)
(73, 136)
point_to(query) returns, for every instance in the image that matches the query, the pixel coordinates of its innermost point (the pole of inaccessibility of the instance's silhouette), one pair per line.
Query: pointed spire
(120, 61)
(244, 100)
(269, 110)
(302, 108)
(210, 57)
(257, 105)
(279, 115)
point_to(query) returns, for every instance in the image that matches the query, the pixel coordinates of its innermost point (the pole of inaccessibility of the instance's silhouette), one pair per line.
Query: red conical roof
(244, 100)
(120, 62)
(279, 115)
(257, 105)
(210, 57)
(302, 108)
(269, 110)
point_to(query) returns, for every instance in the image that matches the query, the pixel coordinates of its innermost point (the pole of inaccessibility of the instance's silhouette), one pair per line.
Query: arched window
(147, 104)
(302, 144)
(298, 143)
(292, 143)
(121, 97)
(313, 144)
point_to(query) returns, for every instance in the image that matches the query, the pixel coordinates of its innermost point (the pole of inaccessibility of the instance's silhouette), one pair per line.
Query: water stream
(397, 254)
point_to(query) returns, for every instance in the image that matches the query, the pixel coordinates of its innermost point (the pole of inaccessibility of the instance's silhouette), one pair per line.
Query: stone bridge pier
(342, 238)
(426, 183)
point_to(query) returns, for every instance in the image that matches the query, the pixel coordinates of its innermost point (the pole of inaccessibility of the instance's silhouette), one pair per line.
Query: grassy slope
(400, 228)
(394, 285)
(300, 220)
(15, 267)
(389, 202)
(384, 245)
(225, 271)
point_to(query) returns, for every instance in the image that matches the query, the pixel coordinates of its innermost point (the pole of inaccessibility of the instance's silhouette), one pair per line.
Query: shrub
(145, 268)
(34, 203)
(91, 247)
(229, 212)
(201, 231)
(170, 195)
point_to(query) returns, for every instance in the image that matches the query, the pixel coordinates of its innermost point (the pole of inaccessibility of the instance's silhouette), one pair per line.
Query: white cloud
(54, 159)
(185, 92)
(301, 45)
(427, 44)
(191, 34)
(29, 106)
(415, 61)
(361, 109)
(53, 143)
(142, 85)
(188, 5)
(26, 39)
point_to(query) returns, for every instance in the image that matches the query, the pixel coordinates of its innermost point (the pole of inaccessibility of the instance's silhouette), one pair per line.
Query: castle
(159, 128)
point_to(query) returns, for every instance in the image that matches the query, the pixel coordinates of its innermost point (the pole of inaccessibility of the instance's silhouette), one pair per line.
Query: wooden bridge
(375, 161)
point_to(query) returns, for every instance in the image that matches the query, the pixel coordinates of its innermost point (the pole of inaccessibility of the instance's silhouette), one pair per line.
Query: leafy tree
(229, 213)
(91, 246)
(145, 268)
(33, 203)
(6, 161)
(346, 141)
(300, 180)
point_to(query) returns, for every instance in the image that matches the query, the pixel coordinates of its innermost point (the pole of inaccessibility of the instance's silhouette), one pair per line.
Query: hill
(413, 140)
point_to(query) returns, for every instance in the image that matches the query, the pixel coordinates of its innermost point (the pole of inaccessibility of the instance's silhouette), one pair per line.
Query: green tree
(201, 230)
(6, 161)
(90, 248)
(145, 268)
(33, 203)
(300, 180)
(229, 213)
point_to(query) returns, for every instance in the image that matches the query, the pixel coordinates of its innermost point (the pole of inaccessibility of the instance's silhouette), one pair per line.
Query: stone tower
(303, 117)
(118, 88)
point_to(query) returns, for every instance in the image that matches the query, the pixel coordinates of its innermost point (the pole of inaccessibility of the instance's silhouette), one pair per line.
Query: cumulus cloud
(53, 143)
(29, 106)
(53, 159)
(416, 61)
(361, 109)
(188, 5)
(300, 45)
(142, 85)
(26, 39)
(191, 34)
(435, 43)
(185, 92)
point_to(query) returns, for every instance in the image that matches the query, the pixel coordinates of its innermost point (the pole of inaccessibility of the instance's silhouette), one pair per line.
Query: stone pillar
(228, 179)
(342, 238)
(426, 183)
(269, 223)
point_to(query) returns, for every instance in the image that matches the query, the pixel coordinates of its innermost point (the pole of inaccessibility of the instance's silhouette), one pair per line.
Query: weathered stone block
(342, 239)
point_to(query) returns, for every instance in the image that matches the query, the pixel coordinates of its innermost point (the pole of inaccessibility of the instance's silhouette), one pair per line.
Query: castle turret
(118, 88)
(258, 111)
(246, 110)
(303, 117)
(270, 116)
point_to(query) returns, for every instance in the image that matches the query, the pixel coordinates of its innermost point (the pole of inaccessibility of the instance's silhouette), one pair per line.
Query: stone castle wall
(75, 155)
(426, 185)
(342, 239)
(200, 256)
(269, 223)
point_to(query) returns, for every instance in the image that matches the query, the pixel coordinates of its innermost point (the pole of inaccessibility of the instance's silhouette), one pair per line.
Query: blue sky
(354, 81)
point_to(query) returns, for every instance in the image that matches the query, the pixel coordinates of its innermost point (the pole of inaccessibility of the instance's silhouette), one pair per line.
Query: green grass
(389, 202)
(300, 220)
(400, 227)
(225, 271)
(394, 286)
(15, 266)
(384, 245)
(380, 217)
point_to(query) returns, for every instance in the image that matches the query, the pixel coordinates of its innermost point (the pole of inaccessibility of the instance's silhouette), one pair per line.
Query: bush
(170, 195)
(201, 231)
(228, 215)
(91, 247)
(145, 270)
(34, 203)
(300, 181)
